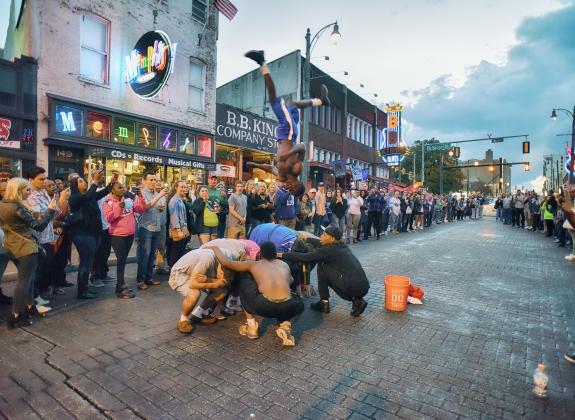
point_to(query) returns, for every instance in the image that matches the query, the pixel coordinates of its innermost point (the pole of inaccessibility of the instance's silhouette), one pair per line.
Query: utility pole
(414, 177)
(500, 175)
(441, 175)
(422, 162)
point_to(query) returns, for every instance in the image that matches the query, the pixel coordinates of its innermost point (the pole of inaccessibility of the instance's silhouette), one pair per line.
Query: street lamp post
(572, 154)
(309, 44)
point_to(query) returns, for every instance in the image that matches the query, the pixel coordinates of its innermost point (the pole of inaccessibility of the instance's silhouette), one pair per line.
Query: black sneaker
(358, 307)
(125, 293)
(320, 306)
(324, 96)
(256, 55)
(570, 358)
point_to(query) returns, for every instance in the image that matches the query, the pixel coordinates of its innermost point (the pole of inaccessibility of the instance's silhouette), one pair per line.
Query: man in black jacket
(337, 268)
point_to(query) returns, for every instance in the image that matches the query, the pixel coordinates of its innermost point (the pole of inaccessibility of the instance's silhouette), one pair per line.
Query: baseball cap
(333, 231)
(321, 184)
(313, 190)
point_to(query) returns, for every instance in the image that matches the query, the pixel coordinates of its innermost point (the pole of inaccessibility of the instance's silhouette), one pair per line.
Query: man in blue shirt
(286, 207)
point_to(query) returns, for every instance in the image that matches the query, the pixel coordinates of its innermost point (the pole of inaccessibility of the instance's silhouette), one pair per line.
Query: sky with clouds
(463, 68)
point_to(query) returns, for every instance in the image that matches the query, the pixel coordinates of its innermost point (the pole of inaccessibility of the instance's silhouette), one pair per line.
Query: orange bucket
(396, 292)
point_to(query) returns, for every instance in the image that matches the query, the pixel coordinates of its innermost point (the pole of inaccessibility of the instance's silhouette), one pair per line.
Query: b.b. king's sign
(239, 128)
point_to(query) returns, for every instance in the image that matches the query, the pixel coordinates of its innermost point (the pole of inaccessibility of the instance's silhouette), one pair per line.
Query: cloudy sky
(463, 68)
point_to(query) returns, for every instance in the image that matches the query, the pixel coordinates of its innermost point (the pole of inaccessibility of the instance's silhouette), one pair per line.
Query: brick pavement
(498, 302)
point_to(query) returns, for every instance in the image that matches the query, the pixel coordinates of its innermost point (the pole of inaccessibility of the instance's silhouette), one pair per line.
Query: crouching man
(198, 271)
(337, 268)
(266, 292)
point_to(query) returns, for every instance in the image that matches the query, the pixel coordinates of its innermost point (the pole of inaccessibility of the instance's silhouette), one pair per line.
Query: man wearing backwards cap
(337, 268)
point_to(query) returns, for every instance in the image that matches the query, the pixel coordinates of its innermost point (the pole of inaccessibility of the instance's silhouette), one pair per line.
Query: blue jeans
(499, 214)
(147, 247)
(86, 246)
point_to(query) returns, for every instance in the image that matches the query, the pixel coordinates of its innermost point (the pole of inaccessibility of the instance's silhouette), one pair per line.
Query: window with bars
(95, 48)
(200, 10)
(197, 85)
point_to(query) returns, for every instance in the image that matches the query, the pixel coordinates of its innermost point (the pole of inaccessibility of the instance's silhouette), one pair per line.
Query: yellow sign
(394, 108)
(392, 121)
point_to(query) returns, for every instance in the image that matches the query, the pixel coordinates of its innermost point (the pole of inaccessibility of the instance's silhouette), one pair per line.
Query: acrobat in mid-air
(288, 162)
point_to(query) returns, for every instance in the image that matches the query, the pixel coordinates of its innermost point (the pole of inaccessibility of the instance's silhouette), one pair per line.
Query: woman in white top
(354, 212)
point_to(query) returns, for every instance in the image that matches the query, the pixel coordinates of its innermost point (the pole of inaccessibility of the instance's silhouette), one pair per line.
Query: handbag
(179, 234)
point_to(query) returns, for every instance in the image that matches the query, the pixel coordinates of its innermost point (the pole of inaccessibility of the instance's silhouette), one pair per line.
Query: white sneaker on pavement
(97, 283)
(39, 301)
(570, 257)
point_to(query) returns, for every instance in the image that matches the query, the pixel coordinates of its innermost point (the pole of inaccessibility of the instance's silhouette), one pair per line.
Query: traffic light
(456, 152)
(526, 167)
(526, 147)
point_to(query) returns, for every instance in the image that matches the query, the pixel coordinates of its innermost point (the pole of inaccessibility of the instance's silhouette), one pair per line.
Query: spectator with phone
(206, 212)
(119, 209)
(84, 224)
(149, 231)
(21, 240)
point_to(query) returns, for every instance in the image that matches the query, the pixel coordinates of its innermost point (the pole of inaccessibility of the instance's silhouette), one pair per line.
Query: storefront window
(168, 139)
(148, 136)
(124, 131)
(204, 146)
(98, 126)
(193, 176)
(188, 143)
(9, 168)
(69, 120)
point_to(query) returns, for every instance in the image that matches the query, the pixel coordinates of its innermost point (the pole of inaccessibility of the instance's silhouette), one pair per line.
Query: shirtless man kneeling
(196, 271)
(266, 292)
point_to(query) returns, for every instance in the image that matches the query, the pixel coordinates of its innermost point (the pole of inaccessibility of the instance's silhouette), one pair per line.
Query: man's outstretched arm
(227, 263)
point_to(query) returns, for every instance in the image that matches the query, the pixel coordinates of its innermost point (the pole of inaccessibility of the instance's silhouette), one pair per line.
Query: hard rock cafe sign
(150, 63)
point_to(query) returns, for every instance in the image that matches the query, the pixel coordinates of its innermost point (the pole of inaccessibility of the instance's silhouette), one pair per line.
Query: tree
(452, 178)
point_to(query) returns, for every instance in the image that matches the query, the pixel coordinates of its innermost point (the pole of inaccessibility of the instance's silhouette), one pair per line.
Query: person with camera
(119, 208)
(179, 231)
(84, 225)
(21, 233)
(149, 230)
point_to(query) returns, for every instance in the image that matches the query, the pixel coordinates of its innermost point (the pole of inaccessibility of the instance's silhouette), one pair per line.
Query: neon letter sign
(122, 132)
(68, 121)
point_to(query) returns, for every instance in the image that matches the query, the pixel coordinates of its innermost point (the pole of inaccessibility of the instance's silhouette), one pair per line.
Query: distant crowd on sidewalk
(550, 213)
(42, 218)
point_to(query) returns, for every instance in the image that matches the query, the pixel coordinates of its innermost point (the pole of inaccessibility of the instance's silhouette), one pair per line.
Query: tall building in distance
(554, 171)
(487, 179)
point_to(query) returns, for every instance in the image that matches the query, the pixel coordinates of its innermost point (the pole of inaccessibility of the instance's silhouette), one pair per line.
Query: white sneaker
(39, 301)
(570, 257)
(43, 309)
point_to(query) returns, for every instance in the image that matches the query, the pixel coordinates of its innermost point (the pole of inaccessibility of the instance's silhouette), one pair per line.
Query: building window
(199, 10)
(8, 87)
(148, 136)
(98, 126)
(197, 84)
(95, 48)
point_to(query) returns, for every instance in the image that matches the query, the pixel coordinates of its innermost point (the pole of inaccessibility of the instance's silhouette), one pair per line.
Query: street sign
(434, 147)
(497, 140)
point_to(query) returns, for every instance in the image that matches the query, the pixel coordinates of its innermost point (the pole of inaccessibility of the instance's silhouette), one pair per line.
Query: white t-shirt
(395, 203)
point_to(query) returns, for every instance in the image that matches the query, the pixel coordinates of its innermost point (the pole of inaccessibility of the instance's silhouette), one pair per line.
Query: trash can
(396, 292)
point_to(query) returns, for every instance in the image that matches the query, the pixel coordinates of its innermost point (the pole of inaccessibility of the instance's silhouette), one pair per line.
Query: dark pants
(255, 303)
(44, 277)
(24, 290)
(121, 245)
(536, 225)
(86, 247)
(177, 251)
(60, 261)
(518, 218)
(147, 248)
(550, 227)
(103, 248)
(346, 288)
(373, 219)
(317, 224)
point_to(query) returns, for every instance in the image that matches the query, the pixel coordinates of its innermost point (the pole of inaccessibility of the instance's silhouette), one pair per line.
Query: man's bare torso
(273, 278)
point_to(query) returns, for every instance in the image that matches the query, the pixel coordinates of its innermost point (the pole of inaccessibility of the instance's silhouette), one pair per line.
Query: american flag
(227, 8)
